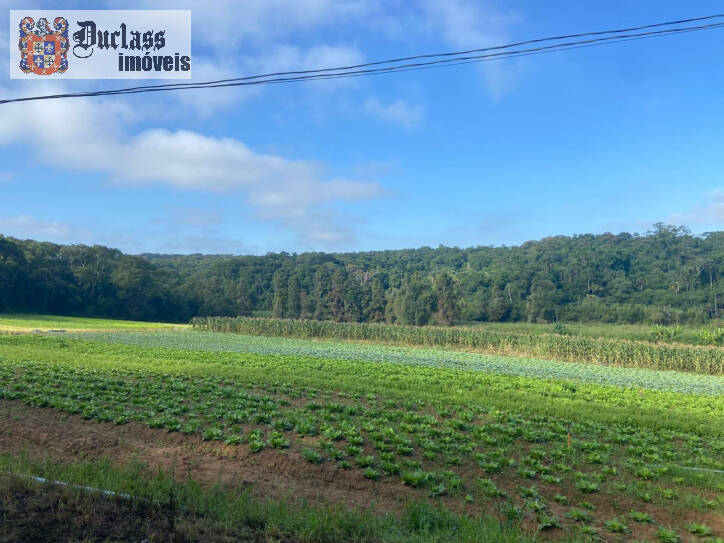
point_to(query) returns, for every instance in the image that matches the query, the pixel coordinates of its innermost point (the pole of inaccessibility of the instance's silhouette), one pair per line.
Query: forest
(666, 276)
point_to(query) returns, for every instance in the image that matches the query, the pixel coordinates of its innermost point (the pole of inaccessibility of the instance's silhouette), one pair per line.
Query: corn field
(573, 348)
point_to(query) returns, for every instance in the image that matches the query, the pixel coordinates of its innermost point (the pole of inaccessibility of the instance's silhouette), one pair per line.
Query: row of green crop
(435, 438)
(434, 357)
(530, 395)
(574, 348)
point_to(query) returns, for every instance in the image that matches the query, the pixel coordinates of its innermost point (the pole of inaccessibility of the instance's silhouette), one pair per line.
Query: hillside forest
(665, 276)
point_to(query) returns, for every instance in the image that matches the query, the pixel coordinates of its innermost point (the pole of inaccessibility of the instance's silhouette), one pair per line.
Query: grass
(18, 322)
(167, 510)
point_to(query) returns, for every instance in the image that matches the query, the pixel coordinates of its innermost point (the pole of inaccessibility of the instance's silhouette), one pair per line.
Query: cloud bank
(92, 135)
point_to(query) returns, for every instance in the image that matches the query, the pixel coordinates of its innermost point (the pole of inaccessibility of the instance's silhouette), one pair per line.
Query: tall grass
(233, 514)
(574, 348)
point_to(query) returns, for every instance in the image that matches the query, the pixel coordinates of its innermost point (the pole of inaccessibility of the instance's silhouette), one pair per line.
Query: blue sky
(603, 139)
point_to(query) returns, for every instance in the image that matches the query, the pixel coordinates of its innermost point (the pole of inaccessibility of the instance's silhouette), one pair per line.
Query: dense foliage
(561, 347)
(666, 276)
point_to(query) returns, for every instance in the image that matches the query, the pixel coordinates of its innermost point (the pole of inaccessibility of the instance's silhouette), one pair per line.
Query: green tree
(448, 309)
(279, 284)
(294, 293)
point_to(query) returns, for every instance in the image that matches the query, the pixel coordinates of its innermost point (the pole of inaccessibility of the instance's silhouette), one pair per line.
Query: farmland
(692, 335)
(563, 347)
(425, 357)
(553, 447)
(19, 322)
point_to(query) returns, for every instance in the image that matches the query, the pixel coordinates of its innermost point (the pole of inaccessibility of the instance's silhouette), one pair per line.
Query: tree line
(666, 276)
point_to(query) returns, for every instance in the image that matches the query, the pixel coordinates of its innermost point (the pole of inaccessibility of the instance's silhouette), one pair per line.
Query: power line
(314, 75)
(441, 60)
(433, 55)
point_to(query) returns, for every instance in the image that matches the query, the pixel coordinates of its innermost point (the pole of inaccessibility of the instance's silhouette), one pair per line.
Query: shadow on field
(36, 512)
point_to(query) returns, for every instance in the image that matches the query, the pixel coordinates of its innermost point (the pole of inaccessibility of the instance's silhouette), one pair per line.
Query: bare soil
(44, 433)
(270, 473)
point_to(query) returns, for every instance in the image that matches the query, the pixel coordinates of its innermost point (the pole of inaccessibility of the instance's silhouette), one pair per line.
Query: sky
(602, 139)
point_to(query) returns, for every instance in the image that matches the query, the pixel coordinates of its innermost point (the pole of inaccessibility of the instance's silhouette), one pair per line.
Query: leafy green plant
(586, 486)
(546, 521)
(311, 455)
(667, 535)
(710, 336)
(438, 490)
(488, 488)
(414, 478)
(579, 515)
(638, 516)
(234, 439)
(551, 480)
(256, 445)
(278, 441)
(212, 434)
(702, 530)
(365, 461)
(616, 526)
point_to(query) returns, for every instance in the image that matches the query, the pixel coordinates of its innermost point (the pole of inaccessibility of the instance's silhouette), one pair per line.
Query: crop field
(686, 334)
(609, 352)
(687, 382)
(25, 323)
(560, 449)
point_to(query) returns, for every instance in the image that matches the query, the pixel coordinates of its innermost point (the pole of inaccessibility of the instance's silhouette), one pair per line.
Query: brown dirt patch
(269, 473)
(284, 474)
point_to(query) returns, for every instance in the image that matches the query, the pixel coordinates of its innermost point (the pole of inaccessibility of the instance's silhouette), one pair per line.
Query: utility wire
(408, 67)
(433, 55)
(422, 65)
(448, 59)
(404, 67)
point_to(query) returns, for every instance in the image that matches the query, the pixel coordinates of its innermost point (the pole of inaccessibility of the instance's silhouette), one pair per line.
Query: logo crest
(43, 50)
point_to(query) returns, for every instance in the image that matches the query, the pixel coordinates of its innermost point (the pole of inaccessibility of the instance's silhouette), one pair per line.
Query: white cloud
(465, 24)
(279, 58)
(710, 213)
(284, 58)
(90, 135)
(25, 227)
(289, 57)
(226, 23)
(206, 102)
(399, 112)
(229, 42)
